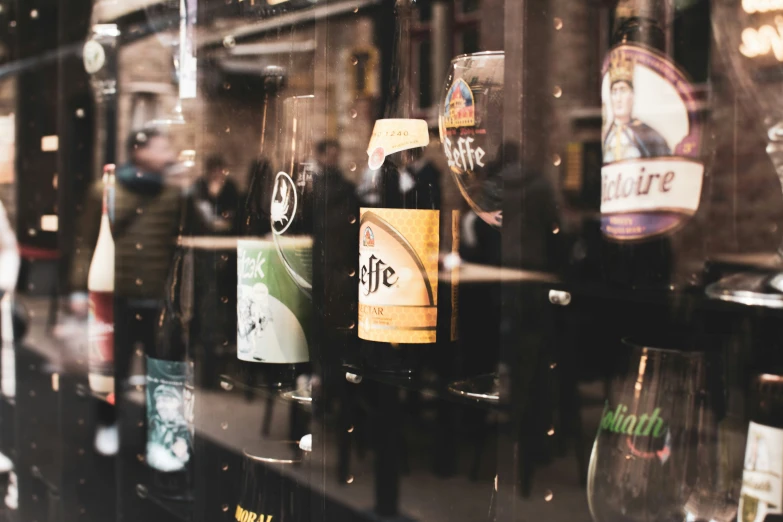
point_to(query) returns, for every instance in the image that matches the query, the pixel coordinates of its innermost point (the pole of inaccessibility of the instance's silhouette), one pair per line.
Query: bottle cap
(109, 168)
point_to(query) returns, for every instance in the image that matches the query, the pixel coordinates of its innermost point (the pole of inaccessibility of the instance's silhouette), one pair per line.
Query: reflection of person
(168, 437)
(146, 217)
(216, 199)
(628, 137)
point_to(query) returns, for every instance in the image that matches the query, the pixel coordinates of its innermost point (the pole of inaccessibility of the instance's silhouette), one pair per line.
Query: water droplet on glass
(224, 508)
(34, 14)
(224, 467)
(140, 424)
(141, 490)
(139, 352)
(556, 229)
(139, 282)
(31, 231)
(229, 42)
(12, 23)
(351, 273)
(80, 451)
(139, 246)
(227, 86)
(553, 366)
(352, 166)
(351, 219)
(356, 10)
(228, 129)
(354, 114)
(140, 457)
(558, 23)
(224, 425)
(81, 389)
(224, 299)
(223, 257)
(80, 113)
(32, 393)
(139, 210)
(82, 482)
(80, 422)
(349, 480)
(33, 445)
(556, 160)
(138, 317)
(353, 378)
(226, 384)
(551, 432)
(557, 92)
(354, 60)
(548, 495)
(350, 430)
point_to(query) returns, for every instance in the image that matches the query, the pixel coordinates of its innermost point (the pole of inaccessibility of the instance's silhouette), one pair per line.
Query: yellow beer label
(243, 515)
(398, 275)
(395, 135)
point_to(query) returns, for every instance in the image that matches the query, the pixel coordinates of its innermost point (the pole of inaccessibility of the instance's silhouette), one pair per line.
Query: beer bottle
(169, 395)
(761, 497)
(271, 327)
(404, 310)
(100, 287)
(653, 177)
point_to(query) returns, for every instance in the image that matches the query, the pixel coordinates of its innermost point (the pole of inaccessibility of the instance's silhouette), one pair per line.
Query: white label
(642, 185)
(762, 479)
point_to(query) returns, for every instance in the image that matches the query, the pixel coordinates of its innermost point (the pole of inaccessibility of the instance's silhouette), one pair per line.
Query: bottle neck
(641, 21)
(400, 100)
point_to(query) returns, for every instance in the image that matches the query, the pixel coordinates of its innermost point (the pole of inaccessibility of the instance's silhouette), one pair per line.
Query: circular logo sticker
(284, 202)
(377, 158)
(94, 57)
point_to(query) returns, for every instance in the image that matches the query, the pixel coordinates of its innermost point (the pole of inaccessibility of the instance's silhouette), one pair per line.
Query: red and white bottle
(100, 285)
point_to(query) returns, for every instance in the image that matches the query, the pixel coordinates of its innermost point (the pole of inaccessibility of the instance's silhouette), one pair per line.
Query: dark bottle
(761, 497)
(404, 309)
(272, 312)
(653, 178)
(170, 391)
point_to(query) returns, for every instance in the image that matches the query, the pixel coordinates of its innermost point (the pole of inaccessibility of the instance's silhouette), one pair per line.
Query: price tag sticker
(395, 135)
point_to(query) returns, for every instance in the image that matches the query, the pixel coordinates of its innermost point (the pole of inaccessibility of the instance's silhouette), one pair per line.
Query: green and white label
(273, 313)
(762, 478)
(169, 438)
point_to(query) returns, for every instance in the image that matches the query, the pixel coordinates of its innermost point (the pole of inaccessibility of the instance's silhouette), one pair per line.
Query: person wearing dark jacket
(147, 218)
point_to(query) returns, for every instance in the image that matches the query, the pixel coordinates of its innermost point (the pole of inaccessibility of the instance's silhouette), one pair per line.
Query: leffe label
(762, 478)
(398, 275)
(273, 313)
(100, 333)
(651, 180)
(395, 135)
(169, 438)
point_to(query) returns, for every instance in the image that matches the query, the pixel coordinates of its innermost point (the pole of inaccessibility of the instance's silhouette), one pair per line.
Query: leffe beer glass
(471, 126)
(653, 458)
(747, 33)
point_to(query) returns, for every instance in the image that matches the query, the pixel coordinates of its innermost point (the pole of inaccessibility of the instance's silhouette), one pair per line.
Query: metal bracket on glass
(353, 378)
(559, 297)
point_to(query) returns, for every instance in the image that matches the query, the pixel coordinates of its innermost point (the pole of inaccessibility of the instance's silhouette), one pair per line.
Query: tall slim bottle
(169, 454)
(761, 497)
(100, 286)
(653, 177)
(404, 310)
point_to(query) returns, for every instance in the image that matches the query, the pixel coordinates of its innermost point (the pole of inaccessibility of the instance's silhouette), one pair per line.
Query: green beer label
(272, 312)
(169, 438)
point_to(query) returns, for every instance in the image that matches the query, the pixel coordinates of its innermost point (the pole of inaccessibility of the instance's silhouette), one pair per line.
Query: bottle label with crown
(273, 313)
(398, 275)
(651, 179)
(169, 442)
(762, 478)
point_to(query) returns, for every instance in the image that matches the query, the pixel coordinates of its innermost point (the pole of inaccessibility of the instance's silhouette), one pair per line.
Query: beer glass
(270, 491)
(754, 63)
(470, 120)
(655, 454)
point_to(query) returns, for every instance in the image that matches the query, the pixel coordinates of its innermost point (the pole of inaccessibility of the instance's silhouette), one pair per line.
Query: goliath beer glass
(654, 457)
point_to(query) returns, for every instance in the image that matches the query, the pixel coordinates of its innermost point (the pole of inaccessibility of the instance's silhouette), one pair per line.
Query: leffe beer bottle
(100, 286)
(761, 497)
(653, 178)
(404, 309)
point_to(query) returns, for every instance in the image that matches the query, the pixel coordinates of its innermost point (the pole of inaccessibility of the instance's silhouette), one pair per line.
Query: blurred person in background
(217, 204)
(146, 216)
